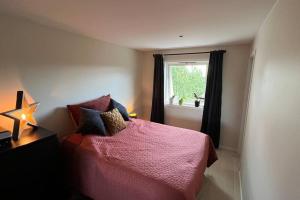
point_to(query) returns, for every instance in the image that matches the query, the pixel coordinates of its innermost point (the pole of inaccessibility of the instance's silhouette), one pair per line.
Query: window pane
(187, 80)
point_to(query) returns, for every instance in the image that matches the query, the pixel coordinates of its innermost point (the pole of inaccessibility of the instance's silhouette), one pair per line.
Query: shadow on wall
(60, 120)
(228, 132)
(182, 122)
(184, 117)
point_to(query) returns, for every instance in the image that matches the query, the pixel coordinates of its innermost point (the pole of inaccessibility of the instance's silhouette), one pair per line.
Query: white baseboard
(241, 188)
(228, 149)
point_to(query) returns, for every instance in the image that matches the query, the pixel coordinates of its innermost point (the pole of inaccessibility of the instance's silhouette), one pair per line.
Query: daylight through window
(183, 80)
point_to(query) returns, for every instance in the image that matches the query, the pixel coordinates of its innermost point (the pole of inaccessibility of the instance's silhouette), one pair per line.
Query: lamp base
(33, 126)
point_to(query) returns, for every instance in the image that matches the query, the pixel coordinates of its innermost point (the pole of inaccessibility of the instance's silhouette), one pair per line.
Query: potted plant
(172, 99)
(180, 102)
(197, 101)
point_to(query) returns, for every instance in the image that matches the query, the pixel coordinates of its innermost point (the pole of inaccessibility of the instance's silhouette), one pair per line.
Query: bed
(145, 161)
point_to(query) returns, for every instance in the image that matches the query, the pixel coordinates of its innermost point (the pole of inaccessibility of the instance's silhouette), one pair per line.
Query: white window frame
(168, 79)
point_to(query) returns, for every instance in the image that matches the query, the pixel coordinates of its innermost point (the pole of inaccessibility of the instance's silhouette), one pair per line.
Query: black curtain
(157, 111)
(211, 120)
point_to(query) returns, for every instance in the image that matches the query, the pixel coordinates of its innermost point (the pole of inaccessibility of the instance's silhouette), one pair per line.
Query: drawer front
(31, 172)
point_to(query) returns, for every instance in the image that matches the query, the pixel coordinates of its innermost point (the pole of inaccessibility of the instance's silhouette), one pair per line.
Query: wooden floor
(222, 179)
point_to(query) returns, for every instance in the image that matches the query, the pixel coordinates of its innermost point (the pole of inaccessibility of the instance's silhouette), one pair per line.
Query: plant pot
(180, 102)
(197, 103)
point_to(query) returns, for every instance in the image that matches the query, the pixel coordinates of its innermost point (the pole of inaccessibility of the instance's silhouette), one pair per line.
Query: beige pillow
(114, 121)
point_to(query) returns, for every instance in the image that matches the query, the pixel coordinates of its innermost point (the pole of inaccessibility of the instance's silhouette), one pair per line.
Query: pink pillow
(100, 104)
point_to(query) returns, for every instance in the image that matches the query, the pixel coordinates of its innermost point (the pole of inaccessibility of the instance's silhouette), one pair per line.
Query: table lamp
(22, 115)
(133, 115)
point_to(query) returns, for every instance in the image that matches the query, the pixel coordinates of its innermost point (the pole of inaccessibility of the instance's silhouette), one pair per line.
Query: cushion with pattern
(114, 121)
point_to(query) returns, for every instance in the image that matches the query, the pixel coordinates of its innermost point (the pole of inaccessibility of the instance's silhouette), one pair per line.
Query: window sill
(185, 106)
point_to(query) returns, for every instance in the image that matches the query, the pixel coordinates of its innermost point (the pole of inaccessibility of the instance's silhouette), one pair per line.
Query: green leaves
(186, 81)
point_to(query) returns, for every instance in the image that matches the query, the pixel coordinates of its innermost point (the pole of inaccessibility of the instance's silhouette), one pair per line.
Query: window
(183, 79)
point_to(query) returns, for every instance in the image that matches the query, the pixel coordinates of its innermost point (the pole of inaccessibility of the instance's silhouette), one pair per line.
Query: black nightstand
(30, 168)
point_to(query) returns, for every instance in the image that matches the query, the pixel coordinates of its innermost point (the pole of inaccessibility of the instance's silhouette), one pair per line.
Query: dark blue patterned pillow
(91, 123)
(114, 104)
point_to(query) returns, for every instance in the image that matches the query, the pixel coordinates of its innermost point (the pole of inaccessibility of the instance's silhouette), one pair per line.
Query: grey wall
(270, 165)
(235, 71)
(57, 68)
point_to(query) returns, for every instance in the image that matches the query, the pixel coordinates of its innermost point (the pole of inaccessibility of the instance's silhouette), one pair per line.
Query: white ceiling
(149, 24)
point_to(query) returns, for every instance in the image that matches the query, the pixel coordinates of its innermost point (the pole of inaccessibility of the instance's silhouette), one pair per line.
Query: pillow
(121, 108)
(100, 104)
(113, 120)
(91, 123)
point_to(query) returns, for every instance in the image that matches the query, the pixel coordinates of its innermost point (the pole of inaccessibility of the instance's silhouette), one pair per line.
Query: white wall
(270, 157)
(234, 78)
(58, 68)
(184, 117)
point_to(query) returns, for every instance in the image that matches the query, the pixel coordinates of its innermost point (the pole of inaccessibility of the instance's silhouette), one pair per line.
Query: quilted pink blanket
(145, 161)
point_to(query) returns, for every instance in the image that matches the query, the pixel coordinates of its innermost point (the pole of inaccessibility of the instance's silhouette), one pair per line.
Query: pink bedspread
(145, 161)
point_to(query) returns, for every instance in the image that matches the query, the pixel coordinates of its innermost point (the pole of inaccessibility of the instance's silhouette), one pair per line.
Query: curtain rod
(177, 54)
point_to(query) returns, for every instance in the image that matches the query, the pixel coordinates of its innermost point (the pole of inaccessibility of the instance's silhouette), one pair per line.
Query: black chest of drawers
(30, 167)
